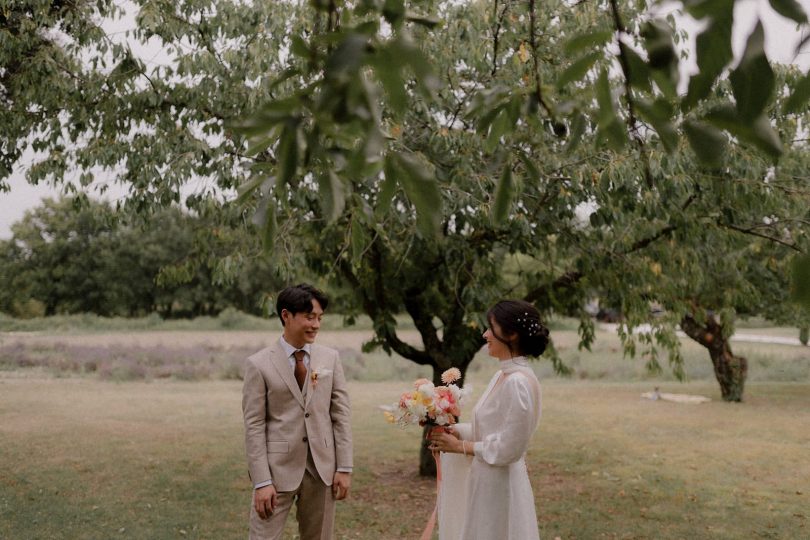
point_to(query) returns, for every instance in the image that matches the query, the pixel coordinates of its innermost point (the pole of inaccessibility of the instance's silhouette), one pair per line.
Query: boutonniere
(316, 373)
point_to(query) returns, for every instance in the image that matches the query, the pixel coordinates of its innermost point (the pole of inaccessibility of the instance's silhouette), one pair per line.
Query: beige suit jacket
(281, 421)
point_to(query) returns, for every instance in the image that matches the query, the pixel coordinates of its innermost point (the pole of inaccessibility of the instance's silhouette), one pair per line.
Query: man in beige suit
(297, 424)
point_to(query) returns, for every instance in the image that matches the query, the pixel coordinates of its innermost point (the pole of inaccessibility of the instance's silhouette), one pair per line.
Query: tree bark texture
(729, 370)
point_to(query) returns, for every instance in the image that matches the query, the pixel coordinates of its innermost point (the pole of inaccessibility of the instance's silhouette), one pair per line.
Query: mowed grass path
(82, 458)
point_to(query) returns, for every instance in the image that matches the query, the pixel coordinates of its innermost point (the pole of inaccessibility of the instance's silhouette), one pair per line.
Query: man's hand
(340, 485)
(265, 500)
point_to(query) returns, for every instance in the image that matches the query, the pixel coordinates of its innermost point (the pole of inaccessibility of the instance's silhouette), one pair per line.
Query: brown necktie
(300, 368)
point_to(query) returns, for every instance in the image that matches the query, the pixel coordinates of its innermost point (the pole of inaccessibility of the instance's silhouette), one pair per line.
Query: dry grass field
(86, 457)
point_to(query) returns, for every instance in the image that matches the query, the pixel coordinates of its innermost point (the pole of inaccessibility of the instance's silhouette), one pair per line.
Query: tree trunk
(427, 465)
(729, 370)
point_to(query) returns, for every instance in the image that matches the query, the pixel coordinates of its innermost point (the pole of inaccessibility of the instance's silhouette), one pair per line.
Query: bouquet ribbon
(431, 524)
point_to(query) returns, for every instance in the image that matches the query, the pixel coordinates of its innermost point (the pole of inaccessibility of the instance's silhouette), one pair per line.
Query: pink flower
(405, 399)
(419, 382)
(451, 375)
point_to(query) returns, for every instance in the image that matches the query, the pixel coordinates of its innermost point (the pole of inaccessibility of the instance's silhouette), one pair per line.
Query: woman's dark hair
(298, 299)
(516, 317)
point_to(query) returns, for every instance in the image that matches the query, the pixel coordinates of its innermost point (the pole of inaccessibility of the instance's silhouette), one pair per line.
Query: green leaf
(708, 143)
(261, 144)
(659, 115)
(265, 218)
(346, 59)
(607, 110)
(357, 240)
(639, 71)
(800, 95)
(299, 47)
(284, 76)
(578, 69)
(332, 195)
(503, 196)
(423, 20)
(421, 189)
(578, 125)
(661, 52)
(662, 56)
(387, 188)
(667, 81)
(388, 72)
(752, 82)
(287, 153)
(713, 53)
(757, 132)
(790, 9)
(588, 41)
(128, 68)
(394, 11)
(498, 129)
(485, 120)
(531, 168)
(247, 189)
(800, 289)
(611, 130)
(405, 51)
(700, 9)
(271, 114)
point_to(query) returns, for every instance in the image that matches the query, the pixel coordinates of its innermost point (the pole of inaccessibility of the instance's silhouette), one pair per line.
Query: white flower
(418, 410)
(426, 389)
(442, 419)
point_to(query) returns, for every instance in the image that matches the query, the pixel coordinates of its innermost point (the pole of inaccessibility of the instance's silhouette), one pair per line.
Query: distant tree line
(77, 255)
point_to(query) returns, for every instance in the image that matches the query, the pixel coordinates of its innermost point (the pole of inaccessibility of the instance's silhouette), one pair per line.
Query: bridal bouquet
(428, 404)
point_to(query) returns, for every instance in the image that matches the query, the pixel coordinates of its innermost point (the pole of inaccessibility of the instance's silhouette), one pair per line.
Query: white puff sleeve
(464, 431)
(511, 438)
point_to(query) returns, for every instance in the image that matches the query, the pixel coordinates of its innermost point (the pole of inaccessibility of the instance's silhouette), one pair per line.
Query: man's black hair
(298, 299)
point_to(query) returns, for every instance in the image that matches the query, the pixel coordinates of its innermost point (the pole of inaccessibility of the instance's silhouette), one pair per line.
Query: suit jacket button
(305, 439)
(306, 415)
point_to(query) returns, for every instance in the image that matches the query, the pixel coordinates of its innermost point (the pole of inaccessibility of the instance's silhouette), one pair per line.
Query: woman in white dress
(485, 493)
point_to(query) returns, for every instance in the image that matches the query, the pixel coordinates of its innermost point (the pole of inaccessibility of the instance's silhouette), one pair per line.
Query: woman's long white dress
(489, 497)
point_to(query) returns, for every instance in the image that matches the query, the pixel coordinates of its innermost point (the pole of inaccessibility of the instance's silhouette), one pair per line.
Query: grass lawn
(85, 458)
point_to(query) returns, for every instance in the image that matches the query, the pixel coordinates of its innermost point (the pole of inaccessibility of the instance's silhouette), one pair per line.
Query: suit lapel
(282, 364)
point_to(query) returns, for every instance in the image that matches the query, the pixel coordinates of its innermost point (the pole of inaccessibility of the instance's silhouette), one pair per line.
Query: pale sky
(781, 40)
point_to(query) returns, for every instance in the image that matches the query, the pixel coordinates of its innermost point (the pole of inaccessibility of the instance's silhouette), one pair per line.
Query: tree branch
(495, 40)
(377, 307)
(644, 242)
(752, 232)
(632, 121)
(562, 283)
(538, 83)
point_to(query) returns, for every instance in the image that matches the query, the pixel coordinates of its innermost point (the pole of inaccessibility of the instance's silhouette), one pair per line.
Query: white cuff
(262, 484)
